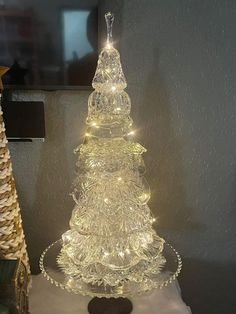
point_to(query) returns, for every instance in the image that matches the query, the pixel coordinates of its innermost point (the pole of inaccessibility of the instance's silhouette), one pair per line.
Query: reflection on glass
(80, 46)
(76, 44)
(48, 45)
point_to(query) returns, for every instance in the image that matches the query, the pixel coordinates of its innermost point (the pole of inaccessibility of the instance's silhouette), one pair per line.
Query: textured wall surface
(179, 61)
(44, 171)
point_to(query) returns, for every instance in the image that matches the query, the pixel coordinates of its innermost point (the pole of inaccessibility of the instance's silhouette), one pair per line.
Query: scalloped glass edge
(161, 285)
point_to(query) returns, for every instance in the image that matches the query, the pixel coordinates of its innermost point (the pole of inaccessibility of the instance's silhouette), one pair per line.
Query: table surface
(47, 298)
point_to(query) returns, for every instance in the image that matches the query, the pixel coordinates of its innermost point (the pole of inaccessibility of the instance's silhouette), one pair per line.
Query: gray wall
(179, 61)
(44, 171)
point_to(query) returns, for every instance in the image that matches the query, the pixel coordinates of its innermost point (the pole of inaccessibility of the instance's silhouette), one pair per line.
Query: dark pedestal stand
(110, 306)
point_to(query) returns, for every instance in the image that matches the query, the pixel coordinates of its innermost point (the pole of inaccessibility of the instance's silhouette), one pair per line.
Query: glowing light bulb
(153, 219)
(94, 124)
(122, 254)
(113, 88)
(106, 200)
(87, 134)
(66, 237)
(119, 179)
(131, 133)
(144, 197)
(108, 46)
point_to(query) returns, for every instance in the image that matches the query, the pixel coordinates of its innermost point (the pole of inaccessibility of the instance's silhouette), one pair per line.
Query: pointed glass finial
(109, 17)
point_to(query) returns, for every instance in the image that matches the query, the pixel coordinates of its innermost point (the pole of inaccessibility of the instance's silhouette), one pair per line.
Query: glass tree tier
(52, 272)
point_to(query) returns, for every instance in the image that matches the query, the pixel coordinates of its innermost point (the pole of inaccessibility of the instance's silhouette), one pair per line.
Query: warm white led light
(106, 200)
(122, 254)
(94, 124)
(131, 133)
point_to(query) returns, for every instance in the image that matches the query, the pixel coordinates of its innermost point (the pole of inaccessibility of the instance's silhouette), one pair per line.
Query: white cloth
(47, 298)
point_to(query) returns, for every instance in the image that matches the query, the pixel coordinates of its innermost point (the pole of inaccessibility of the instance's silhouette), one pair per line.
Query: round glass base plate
(51, 270)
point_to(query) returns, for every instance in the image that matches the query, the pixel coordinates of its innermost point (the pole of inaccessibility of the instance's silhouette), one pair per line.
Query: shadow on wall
(206, 288)
(53, 185)
(165, 172)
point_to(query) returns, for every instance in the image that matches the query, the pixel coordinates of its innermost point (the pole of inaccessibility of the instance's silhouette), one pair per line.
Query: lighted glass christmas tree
(111, 243)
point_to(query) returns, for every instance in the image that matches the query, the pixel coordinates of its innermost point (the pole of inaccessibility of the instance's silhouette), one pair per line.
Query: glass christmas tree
(111, 245)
